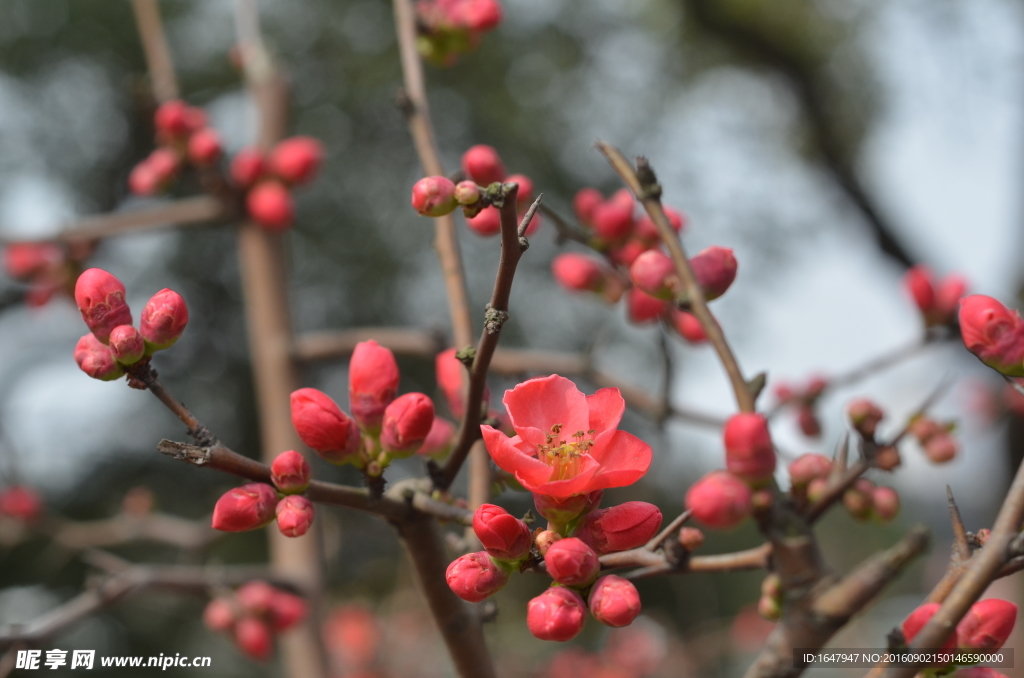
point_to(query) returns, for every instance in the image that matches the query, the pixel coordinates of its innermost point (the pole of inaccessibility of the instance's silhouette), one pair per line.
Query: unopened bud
(23, 261)
(524, 196)
(407, 421)
(475, 577)
(715, 270)
(887, 457)
(578, 272)
(941, 448)
(544, 539)
(557, 614)
(270, 204)
(761, 500)
(920, 284)
(642, 307)
(916, 621)
(126, 345)
(439, 441)
(467, 193)
(584, 204)
(254, 638)
(654, 273)
(619, 528)
(646, 230)
(96, 359)
(219, 615)
(865, 416)
(993, 333)
(483, 165)
(749, 452)
(290, 472)
(372, 383)
(163, 163)
(691, 538)
(294, 515)
(858, 499)
(486, 223)
(688, 327)
(247, 167)
(614, 601)
(297, 160)
(807, 467)
(613, 220)
(204, 147)
(504, 536)
(287, 610)
(20, 502)
(175, 118)
(480, 15)
(808, 421)
(100, 298)
(322, 425)
(256, 597)
(987, 625)
(163, 320)
(434, 196)
(886, 503)
(143, 180)
(947, 298)
(719, 500)
(571, 562)
(248, 507)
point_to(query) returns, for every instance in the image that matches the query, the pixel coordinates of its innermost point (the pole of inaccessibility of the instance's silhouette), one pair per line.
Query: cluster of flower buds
(181, 135)
(114, 344)
(936, 438)
(253, 614)
(353, 637)
(865, 501)
(449, 28)
(256, 505)
(936, 301)
(993, 333)
(986, 626)
(266, 179)
(46, 267)
(21, 503)
(722, 499)
(805, 400)
(382, 427)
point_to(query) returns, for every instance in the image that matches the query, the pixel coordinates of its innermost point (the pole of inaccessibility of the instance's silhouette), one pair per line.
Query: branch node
(494, 319)
(466, 356)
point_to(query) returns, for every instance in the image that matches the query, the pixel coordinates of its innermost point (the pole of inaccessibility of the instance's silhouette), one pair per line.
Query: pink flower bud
(407, 421)
(439, 441)
(654, 273)
(143, 180)
(688, 327)
(749, 452)
(941, 448)
(254, 638)
(247, 167)
(808, 421)
(647, 231)
(524, 195)
(916, 621)
(643, 308)
(467, 193)
(100, 298)
(175, 118)
(219, 615)
(163, 162)
(691, 538)
(919, 282)
(481, 15)
(96, 360)
(322, 425)
(865, 416)
(613, 220)
(486, 223)
(557, 614)
(451, 375)
(619, 528)
(23, 261)
(561, 510)
(715, 269)
(544, 539)
(297, 160)
(987, 625)
(163, 320)
(816, 489)
(287, 610)
(719, 500)
(947, 297)
(614, 601)
(887, 457)
(204, 147)
(886, 503)
(584, 204)
(475, 576)
(503, 535)
(248, 507)
(483, 165)
(994, 333)
(578, 272)
(290, 472)
(572, 562)
(626, 252)
(372, 383)
(434, 196)
(126, 345)
(21, 502)
(807, 467)
(270, 204)
(858, 499)
(256, 597)
(294, 515)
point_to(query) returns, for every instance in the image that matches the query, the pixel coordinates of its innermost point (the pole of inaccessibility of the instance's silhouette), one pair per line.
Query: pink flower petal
(545, 401)
(623, 459)
(606, 408)
(515, 456)
(581, 483)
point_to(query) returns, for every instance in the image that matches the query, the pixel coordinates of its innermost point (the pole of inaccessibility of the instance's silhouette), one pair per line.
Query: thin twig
(158, 53)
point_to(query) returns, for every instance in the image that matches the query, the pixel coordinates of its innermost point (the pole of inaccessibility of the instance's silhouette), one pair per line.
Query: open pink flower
(566, 443)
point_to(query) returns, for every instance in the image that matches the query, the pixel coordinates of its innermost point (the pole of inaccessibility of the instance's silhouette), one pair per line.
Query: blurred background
(830, 143)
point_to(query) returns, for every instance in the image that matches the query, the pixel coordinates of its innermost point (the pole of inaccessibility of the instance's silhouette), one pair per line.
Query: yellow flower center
(563, 456)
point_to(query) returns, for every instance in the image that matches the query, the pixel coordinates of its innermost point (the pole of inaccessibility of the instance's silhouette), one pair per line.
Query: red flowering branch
(645, 187)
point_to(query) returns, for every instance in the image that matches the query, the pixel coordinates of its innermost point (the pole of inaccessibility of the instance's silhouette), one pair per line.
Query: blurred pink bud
(816, 489)
(163, 163)
(254, 638)
(256, 597)
(612, 220)
(287, 610)
(434, 196)
(100, 298)
(204, 147)
(353, 636)
(322, 425)
(21, 502)
(578, 272)
(483, 165)
(96, 360)
(571, 562)
(525, 193)
(865, 416)
(646, 230)
(126, 345)
(163, 320)
(691, 538)
(372, 383)
(486, 223)
(858, 499)
(623, 197)
(994, 333)
(941, 448)
(920, 283)
(25, 260)
(467, 193)
(619, 528)
(451, 376)
(916, 621)
(654, 273)
(296, 160)
(544, 539)
(749, 453)
(175, 118)
(886, 502)
(557, 614)
(247, 167)
(248, 507)
(270, 204)
(481, 15)
(808, 421)
(643, 308)
(688, 327)
(807, 467)
(715, 270)
(614, 601)
(626, 252)
(584, 204)
(290, 472)
(439, 441)
(947, 297)
(407, 421)
(294, 515)
(503, 535)
(887, 457)
(719, 500)
(143, 180)
(219, 614)
(475, 577)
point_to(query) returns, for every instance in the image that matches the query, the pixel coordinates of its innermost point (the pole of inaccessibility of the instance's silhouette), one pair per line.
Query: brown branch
(158, 53)
(645, 187)
(126, 527)
(652, 563)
